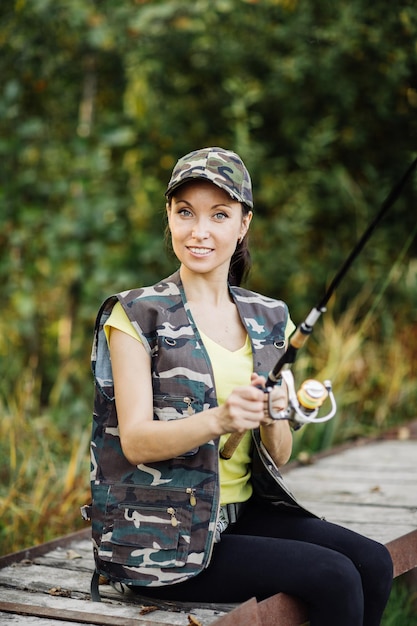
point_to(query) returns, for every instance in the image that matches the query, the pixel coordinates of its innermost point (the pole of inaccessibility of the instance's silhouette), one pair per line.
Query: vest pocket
(168, 407)
(154, 532)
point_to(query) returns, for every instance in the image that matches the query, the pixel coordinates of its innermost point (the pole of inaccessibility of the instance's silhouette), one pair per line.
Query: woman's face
(205, 224)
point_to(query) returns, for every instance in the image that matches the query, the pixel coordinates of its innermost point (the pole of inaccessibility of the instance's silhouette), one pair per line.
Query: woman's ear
(246, 220)
(168, 210)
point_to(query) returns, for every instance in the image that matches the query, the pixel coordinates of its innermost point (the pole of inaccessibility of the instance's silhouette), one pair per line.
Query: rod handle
(230, 446)
(298, 338)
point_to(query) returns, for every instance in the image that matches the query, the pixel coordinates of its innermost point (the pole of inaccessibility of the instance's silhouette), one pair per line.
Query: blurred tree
(320, 100)
(98, 101)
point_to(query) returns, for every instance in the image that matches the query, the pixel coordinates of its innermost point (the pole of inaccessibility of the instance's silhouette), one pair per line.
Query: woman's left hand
(276, 434)
(278, 393)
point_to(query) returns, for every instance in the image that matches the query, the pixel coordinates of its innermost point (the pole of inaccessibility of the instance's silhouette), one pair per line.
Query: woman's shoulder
(169, 286)
(126, 299)
(253, 297)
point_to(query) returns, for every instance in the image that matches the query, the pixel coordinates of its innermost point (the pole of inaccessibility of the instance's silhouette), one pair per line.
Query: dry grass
(372, 374)
(44, 476)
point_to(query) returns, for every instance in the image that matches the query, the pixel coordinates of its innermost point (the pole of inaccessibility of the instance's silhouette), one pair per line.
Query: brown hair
(240, 263)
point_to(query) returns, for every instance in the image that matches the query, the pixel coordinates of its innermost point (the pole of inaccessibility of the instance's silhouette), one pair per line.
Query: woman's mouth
(200, 251)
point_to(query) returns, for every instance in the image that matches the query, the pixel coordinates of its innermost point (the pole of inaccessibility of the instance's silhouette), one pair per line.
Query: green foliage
(401, 607)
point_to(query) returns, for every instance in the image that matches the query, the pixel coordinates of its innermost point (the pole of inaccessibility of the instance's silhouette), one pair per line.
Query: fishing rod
(303, 406)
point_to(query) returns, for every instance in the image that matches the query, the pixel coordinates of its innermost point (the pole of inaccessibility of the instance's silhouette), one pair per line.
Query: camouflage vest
(154, 524)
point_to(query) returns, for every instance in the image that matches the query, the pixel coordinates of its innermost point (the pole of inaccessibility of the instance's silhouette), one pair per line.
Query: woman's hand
(276, 434)
(247, 407)
(278, 395)
(243, 410)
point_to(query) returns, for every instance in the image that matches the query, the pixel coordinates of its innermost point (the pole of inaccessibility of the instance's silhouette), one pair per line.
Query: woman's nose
(200, 231)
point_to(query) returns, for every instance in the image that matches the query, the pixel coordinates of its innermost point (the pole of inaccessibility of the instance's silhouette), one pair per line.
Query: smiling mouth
(200, 251)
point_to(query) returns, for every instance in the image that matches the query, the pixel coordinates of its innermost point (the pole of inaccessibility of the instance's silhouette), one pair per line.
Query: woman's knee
(337, 573)
(376, 568)
(338, 591)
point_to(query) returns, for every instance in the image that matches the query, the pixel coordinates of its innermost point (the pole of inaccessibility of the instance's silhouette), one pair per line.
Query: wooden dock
(370, 488)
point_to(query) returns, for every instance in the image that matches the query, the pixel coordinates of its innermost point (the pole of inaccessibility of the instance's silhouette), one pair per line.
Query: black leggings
(343, 577)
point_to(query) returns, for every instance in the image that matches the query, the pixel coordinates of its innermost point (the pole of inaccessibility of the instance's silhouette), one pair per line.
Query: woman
(178, 367)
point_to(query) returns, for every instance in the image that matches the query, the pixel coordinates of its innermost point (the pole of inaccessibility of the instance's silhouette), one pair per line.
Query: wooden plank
(370, 489)
(119, 610)
(43, 548)
(31, 620)
(370, 475)
(381, 453)
(74, 616)
(292, 611)
(403, 551)
(381, 524)
(247, 614)
(321, 489)
(62, 577)
(41, 578)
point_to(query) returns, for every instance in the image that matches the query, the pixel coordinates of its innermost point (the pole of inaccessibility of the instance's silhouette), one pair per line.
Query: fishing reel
(304, 404)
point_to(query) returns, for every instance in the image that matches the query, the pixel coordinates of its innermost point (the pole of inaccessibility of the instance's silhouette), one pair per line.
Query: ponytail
(240, 263)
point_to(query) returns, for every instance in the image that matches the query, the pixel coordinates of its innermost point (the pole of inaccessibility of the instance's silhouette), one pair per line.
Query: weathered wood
(404, 553)
(113, 611)
(74, 616)
(60, 582)
(370, 489)
(291, 610)
(247, 614)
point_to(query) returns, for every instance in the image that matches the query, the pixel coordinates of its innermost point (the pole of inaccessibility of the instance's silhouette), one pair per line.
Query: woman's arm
(277, 438)
(144, 439)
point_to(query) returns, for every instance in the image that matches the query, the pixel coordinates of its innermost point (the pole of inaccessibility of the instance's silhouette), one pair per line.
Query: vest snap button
(170, 341)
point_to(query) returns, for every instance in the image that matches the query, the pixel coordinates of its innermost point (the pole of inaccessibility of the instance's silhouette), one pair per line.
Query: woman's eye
(184, 212)
(220, 215)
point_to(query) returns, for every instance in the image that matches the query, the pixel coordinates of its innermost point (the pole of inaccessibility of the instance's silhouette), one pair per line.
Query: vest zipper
(172, 512)
(216, 521)
(187, 400)
(191, 492)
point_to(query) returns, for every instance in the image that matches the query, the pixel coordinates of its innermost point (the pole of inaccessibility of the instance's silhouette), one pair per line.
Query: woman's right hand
(242, 411)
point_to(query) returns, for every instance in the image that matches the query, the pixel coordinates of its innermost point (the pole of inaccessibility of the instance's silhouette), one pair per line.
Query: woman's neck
(214, 310)
(208, 289)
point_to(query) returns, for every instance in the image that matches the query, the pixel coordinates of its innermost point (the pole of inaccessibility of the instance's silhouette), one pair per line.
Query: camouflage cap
(222, 167)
